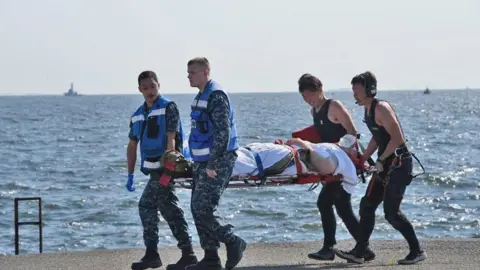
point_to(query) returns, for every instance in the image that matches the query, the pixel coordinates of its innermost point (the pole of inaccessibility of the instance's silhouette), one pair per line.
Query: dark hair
(368, 80)
(365, 78)
(305, 155)
(201, 61)
(309, 82)
(147, 75)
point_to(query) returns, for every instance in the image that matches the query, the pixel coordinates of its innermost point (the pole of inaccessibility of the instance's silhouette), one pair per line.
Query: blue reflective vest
(201, 134)
(153, 135)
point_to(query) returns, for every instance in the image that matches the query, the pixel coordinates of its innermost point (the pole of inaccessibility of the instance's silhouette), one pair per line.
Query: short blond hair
(201, 61)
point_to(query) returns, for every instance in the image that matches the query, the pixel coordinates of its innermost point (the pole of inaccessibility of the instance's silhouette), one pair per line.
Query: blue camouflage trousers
(162, 198)
(206, 195)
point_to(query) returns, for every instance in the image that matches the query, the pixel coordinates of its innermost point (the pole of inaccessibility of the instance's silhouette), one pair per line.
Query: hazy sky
(261, 45)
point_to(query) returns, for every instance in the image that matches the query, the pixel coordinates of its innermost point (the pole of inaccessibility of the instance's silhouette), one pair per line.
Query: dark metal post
(16, 226)
(39, 222)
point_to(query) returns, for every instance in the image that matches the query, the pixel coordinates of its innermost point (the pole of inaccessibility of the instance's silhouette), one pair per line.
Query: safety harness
(399, 155)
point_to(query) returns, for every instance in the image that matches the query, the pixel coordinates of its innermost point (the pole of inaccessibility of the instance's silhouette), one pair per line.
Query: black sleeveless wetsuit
(391, 195)
(329, 132)
(333, 193)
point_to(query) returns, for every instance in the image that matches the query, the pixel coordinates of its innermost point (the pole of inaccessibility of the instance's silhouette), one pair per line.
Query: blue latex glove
(129, 184)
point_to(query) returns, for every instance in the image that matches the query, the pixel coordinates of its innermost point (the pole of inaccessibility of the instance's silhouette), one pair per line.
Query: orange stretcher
(301, 178)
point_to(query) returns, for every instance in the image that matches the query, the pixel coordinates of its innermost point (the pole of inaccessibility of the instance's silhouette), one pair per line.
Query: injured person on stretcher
(293, 159)
(277, 159)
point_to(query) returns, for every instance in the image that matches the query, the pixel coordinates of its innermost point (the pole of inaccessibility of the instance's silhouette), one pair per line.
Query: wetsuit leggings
(333, 194)
(391, 195)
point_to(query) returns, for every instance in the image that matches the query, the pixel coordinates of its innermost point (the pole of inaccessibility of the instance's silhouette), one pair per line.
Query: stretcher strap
(311, 178)
(166, 177)
(298, 164)
(258, 160)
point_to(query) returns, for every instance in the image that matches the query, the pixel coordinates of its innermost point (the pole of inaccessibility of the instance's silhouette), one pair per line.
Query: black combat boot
(188, 258)
(211, 261)
(150, 260)
(235, 248)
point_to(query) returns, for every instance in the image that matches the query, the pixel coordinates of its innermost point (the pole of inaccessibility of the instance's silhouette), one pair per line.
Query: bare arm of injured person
(324, 164)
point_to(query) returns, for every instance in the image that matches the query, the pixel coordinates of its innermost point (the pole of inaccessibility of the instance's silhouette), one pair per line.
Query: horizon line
(238, 92)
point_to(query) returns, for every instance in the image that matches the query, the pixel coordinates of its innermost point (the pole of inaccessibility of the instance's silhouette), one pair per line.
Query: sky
(252, 45)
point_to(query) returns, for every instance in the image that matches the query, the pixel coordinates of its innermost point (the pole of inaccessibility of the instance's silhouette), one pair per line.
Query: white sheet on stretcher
(269, 153)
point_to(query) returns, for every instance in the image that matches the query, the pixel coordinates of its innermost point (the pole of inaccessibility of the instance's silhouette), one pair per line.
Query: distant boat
(71, 92)
(427, 91)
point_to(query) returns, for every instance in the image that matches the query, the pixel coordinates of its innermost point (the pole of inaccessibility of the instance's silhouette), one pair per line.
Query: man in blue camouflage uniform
(212, 143)
(157, 127)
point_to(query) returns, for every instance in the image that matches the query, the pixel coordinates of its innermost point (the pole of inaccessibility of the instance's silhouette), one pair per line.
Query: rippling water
(71, 152)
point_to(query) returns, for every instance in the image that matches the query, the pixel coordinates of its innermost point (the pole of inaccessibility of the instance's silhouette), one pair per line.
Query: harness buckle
(400, 151)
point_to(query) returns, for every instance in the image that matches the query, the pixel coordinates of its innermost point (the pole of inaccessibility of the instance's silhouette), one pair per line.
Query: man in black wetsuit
(332, 121)
(394, 172)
